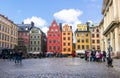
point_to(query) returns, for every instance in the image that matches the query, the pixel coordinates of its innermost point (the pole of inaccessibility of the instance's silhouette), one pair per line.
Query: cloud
(68, 15)
(45, 29)
(39, 22)
(90, 21)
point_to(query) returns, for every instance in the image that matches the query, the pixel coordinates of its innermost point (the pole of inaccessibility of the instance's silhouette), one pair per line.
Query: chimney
(32, 24)
(60, 24)
(22, 22)
(88, 25)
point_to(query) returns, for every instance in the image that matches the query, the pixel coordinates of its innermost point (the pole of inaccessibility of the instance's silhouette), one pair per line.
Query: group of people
(98, 56)
(12, 56)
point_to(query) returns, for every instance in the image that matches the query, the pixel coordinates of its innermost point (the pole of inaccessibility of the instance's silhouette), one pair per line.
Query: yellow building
(83, 38)
(8, 33)
(95, 37)
(67, 39)
(110, 26)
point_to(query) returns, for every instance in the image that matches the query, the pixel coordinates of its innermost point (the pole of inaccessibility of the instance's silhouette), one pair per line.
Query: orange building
(67, 39)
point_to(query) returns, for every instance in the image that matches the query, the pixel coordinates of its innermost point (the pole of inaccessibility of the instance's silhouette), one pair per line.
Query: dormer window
(26, 28)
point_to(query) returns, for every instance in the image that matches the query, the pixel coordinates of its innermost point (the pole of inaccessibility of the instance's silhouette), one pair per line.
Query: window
(98, 41)
(68, 49)
(97, 35)
(31, 42)
(86, 35)
(50, 47)
(82, 46)
(38, 48)
(54, 34)
(64, 49)
(82, 40)
(38, 42)
(49, 34)
(78, 46)
(93, 30)
(82, 34)
(68, 44)
(58, 41)
(78, 34)
(52, 30)
(97, 30)
(86, 40)
(87, 46)
(58, 47)
(93, 35)
(56, 30)
(68, 33)
(54, 47)
(98, 47)
(38, 37)
(64, 38)
(78, 40)
(54, 41)
(35, 42)
(93, 41)
(34, 48)
(63, 33)
(54, 25)
(68, 38)
(50, 41)
(64, 44)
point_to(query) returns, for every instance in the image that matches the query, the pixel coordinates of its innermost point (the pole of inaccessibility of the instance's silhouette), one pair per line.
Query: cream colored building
(110, 26)
(8, 33)
(95, 37)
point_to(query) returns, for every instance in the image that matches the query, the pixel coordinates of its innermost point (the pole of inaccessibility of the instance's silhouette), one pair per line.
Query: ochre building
(83, 38)
(8, 33)
(67, 39)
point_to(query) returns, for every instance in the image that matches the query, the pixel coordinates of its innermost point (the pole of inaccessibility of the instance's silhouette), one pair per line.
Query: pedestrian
(109, 59)
(104, 56)
(93, 57)
(73, 54)
(97, 56)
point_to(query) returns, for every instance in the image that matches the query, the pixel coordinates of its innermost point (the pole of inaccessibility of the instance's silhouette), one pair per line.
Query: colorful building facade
(8, 33)
(83, 38)
(95, 37)
(54, 38)
(24, 35)
(67, 39)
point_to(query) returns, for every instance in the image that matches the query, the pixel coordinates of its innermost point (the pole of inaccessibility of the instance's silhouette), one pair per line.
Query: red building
(54, 38)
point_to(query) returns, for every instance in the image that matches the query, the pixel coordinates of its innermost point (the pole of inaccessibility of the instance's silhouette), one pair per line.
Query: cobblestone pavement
(56, 68)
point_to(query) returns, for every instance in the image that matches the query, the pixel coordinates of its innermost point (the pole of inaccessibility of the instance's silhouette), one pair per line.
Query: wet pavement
(57, 68)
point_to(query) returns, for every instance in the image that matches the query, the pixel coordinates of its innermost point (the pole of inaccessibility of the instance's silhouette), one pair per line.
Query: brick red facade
(54, 38)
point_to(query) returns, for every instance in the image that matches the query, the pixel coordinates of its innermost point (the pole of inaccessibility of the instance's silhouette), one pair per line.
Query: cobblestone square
(56, 68)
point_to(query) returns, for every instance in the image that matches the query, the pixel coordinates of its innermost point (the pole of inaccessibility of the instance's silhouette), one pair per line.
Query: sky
(43, 12)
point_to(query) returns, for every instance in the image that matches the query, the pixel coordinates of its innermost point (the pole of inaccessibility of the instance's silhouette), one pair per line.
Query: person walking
(104, 56)
(109, 59)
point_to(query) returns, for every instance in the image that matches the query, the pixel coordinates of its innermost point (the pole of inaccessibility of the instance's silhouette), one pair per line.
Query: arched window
(97, 30)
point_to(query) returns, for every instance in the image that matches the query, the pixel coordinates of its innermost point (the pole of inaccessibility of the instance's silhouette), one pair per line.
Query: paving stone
(56, 68)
